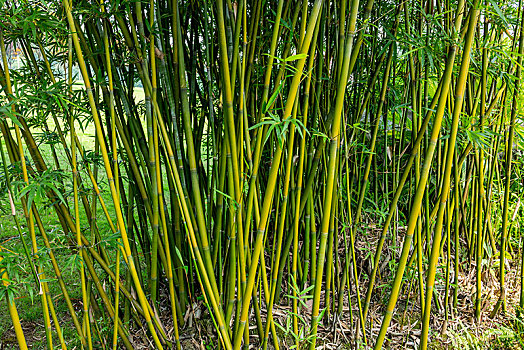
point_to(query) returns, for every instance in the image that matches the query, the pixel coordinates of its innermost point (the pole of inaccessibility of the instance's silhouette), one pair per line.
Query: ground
(461, 331)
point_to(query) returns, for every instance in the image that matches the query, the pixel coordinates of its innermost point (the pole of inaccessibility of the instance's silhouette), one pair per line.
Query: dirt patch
(8, 339)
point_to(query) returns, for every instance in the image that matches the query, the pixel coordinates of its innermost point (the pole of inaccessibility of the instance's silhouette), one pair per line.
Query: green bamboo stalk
(334, 144)
(507, 170)
(417, 201)
(457, 110)
(109, 172)
(28, 211)
(270, 187)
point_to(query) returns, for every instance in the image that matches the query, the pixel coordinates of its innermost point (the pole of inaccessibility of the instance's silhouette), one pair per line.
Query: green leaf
(499, 12)
(30, 198)
(57, 192)
(296, 57)
(180, 257)
(273, 98)
(11, 115)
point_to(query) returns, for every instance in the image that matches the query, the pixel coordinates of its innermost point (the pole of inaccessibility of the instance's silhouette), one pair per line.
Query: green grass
(26, 294)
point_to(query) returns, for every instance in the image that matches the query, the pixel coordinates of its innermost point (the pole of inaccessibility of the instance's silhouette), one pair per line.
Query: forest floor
(461, 331)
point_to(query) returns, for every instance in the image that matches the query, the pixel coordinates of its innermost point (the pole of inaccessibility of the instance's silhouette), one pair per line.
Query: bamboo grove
(338, 160)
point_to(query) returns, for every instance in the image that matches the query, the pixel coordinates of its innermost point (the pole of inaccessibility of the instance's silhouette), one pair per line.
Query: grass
(499, 336)
(27, 300)
(26, 296)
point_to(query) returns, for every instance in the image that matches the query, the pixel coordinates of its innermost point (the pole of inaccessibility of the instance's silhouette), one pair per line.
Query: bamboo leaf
(7, 111)
(499, 12)
(296, 57)
(273, 97)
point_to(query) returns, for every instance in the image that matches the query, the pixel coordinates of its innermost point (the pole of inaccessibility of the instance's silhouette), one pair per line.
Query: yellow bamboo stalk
(109, 172)
(20, 337)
